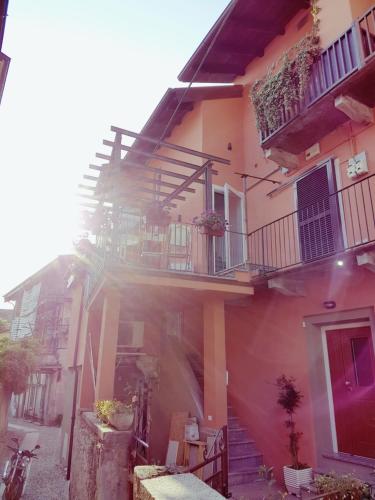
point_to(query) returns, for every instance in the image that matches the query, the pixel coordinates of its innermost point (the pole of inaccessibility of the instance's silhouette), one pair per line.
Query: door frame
(225, 189)
(324, 332)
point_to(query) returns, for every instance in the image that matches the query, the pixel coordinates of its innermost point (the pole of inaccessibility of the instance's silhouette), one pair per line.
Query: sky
(78, 67)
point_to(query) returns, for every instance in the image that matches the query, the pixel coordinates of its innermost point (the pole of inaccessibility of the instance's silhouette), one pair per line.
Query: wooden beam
(282, 158)
(103, 156)
(188, 181)
(141, 166)
(240, 49)
(287, 286)
(169, 145)
(355, 110)
(367, 260)
(96, 167)
(158, 182)
(91, 188)
(154, 156)
(90, 177)
(257, 26)
(233, 68)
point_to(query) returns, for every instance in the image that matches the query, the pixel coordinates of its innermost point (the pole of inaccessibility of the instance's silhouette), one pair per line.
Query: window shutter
(318, 219)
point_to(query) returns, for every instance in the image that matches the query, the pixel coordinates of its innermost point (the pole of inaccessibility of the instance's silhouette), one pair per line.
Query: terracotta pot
(212, 232)
(294, 479)
(122, 421)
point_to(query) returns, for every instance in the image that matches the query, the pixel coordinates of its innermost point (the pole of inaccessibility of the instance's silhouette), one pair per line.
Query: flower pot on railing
(210, 223)
(209, 231)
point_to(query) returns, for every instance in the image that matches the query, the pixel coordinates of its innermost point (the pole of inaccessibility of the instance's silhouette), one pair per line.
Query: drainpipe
(244, 187)
(75, 389)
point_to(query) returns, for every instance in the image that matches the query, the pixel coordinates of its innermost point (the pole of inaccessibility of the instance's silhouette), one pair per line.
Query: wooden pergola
(145, 182)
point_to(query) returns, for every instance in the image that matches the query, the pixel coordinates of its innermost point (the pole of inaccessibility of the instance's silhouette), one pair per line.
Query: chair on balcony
(153, 245)
(179, 247)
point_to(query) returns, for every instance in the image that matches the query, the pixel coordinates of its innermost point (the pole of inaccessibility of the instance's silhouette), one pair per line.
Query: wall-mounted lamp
(329, 304)
(229, 147)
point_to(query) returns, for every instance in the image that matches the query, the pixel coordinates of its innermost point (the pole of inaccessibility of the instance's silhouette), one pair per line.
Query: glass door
(229, 250)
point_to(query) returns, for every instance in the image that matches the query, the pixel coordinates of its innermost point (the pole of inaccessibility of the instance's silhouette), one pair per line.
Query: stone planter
(294, 479)
(122, 421)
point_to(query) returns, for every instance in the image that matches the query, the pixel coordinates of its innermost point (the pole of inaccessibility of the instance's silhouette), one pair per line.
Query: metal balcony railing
(177, 246)
(341, 221)
(342, 58)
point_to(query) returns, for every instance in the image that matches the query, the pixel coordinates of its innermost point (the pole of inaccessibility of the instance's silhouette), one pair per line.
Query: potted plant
(344, 485)
(119, 414)
(211, 223)
(156, 214)
(297, 473)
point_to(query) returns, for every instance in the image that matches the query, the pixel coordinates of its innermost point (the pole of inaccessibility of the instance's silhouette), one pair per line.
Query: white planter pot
(122, 421)
(294, 479)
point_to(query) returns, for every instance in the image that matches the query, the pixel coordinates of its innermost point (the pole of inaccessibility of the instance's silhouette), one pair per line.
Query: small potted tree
(210, 223)
(289, 398)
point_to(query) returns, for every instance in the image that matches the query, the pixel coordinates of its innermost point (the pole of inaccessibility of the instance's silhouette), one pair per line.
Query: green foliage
(347, 486)
(285, 83)
(290, 400)
(17, 362)
(105, 408)
(4, 326)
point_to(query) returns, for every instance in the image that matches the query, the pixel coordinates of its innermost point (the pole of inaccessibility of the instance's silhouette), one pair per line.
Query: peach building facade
(289, 289)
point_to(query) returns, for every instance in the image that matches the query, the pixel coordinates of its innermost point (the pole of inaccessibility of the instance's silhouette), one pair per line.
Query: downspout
(75, 389)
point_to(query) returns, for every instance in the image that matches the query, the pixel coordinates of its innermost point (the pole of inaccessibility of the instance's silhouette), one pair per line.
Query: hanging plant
(286, 81)
(156, 214)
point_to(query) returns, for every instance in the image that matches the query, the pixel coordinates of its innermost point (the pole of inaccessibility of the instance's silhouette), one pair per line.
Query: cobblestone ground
(46, 480)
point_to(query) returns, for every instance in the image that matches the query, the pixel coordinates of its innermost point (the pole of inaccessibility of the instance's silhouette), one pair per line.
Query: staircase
(244, 458)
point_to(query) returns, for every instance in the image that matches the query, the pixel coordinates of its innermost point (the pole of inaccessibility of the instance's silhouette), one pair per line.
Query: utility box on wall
(357, 165)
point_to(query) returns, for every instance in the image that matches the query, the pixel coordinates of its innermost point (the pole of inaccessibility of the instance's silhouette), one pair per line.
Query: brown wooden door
(351, 360)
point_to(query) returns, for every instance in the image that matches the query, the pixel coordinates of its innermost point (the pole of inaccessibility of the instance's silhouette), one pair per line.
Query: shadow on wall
(178, 390)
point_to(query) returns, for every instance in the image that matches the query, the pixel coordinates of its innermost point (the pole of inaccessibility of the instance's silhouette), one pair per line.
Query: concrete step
(241, 477)
(245, 462)
(238, 448)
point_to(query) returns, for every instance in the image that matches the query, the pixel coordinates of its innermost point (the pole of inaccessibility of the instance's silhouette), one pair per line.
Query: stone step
(241, 477)
(231, 412)
(233, 422)
(237, 434)
(238, 448)
(245, 462)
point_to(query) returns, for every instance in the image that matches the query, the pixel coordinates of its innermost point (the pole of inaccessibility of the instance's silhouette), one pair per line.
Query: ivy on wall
(286, 81)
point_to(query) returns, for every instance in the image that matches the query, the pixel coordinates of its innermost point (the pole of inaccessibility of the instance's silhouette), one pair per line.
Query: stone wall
(99, 463)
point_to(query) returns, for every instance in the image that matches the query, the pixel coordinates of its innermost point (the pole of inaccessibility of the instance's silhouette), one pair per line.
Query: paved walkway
(46, 480)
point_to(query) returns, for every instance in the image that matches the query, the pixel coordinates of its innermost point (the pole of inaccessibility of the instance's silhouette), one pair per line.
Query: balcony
(178, 247)
(346, 67)
(337, 223)
(175, 247)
